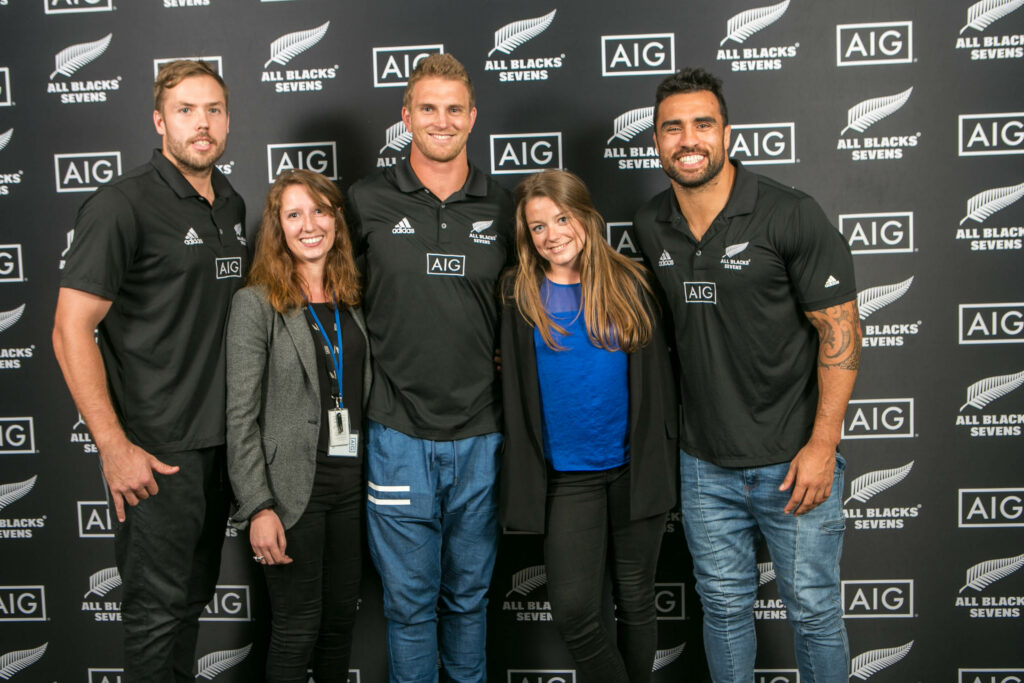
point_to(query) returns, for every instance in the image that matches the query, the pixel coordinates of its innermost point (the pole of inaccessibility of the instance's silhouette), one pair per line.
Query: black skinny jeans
(588, 524)
(314, 599)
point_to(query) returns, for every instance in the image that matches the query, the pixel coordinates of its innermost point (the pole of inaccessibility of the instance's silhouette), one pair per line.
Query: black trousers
(168, 554)
(314, 599)
(589, 529)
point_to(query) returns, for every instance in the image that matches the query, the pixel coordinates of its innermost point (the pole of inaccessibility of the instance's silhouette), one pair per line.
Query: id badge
(339, 433)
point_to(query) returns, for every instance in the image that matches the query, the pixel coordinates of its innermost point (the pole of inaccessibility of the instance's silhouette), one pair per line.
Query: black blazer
(653, 429)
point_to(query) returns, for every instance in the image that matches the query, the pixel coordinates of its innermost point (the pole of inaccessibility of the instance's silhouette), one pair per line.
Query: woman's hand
(266, 536)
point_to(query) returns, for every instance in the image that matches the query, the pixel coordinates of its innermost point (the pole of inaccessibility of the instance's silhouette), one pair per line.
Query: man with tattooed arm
(761, 292)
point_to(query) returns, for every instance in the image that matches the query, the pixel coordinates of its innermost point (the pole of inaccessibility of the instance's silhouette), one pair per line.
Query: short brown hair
(173, 73)
(439, 66)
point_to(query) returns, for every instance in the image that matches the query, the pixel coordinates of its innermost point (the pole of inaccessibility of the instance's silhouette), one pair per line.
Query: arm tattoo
(839, 336)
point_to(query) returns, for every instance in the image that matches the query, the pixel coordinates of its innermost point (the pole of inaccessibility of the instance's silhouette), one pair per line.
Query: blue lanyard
(336, 358)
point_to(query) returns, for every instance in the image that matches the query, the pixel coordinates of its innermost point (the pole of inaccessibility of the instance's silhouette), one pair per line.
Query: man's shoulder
(379, 181)
(772, 189)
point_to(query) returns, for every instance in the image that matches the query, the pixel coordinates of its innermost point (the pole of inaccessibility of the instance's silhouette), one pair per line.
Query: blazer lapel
(299, 330)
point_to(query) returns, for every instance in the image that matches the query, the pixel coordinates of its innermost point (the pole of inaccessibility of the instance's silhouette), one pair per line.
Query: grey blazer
(273, 406)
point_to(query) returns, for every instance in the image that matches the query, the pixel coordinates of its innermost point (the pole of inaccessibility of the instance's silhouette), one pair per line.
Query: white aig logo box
(620, 237)
(94, 519)
(875, 43)
(85, 172)
(764, 143)
(74, 6)
(990, 507)
(525, 152)
(22, 603)
(670, 601)
(17, 435)
(5, 87)
(541, 676)
(995, 323)
(229, 603)
(392, 66)
(228, 267)
(878, 599)
(991, 134)
(879, 418)
(776, 676)
(1010, 675)
(878, 233)
(319, 157)
(446, 264)
(11, 269)
(639, 54)
(106, 675)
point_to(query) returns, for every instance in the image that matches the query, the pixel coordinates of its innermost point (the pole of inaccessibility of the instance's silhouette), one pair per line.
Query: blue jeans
(433, 534)
(726, 513)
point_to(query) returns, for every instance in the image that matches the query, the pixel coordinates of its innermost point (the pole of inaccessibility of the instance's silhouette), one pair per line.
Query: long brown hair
(613, 287)
(273, 265)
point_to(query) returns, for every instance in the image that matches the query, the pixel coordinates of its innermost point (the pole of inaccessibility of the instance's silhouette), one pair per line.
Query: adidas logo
(831, 281)
(192, 238)
(403, 227)
(665, 260)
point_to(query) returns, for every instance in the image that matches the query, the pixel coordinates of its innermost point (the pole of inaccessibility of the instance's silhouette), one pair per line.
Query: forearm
(839, 350)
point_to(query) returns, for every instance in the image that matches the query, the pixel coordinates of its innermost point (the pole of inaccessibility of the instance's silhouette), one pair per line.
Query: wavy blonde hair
(614, 288)
(273, 266)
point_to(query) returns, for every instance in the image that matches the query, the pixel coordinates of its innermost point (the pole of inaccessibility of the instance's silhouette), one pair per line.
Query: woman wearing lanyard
(590, 454)
(298, 374)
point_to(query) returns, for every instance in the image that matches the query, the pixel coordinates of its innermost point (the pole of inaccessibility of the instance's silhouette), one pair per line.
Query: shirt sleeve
(104, 245)
(355, 225)
(817, 258)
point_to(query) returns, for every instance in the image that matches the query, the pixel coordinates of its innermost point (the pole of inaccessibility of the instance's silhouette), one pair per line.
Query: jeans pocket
(834, 526)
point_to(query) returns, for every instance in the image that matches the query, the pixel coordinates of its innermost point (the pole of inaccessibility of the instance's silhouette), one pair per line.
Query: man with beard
(435, 233)
(761, 291)
(156, 257)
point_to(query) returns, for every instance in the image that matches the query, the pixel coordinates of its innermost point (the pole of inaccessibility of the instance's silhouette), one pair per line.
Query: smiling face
(440, 117)
(691, 138)
(308, 225)
(558, 238)
(193, 120)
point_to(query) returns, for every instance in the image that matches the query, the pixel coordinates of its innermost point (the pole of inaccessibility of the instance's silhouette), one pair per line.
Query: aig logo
(105, 675)
(5, 86)
(446, 264)
(641, 54)
(10, 263)
(700, 292)
(986, 508)
(74, 6)
(393, 65)
(670, 601)
(878, 233)
(1001, 323)
(94, 519)
(991, 675)
(620, 236)
(228, 267)
(991, 134)
(525, 152)
(764, 143)
(22, 603)
(879, 418)
(229, 603)
(776, 676)
(541, 676)
(879, 43)
(881, 599)
(216, 62)
(17, 435)
(319, 157)
(85, 172)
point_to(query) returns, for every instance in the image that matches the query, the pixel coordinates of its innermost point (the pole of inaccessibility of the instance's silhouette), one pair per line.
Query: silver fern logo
(984, 391)
(984, 574)
(18, 660)
(212, 665)
(765, 573)
(865, 665)
(624, 129)
(16, 491)
(981, 14)
(396, 138)
(9, 318)
(984, 204)
(5, 138)
(867, 486)
(74, 57)
(869, 112)
(103, 581)
(290, 45)
(875, 298)
(663, 658)
(745, 24)
(510, 36)
(633, 122)
(525, 581)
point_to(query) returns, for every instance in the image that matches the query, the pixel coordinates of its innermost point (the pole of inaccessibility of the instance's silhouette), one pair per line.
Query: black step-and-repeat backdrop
(904, 118)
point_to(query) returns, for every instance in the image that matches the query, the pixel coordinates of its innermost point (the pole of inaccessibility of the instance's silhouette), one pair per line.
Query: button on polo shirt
(431, 303)
(738, 298)
(169, 262)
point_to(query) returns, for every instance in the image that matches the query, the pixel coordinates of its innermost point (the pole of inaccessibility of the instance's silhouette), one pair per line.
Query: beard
(188, 160)
(714, 166)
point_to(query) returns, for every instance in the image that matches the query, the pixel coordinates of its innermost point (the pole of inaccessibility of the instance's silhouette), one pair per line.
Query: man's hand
(810, 476)
(266, 536)
(128, 470)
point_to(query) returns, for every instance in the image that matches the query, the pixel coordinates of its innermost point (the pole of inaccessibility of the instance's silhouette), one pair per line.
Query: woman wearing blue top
(590, 454)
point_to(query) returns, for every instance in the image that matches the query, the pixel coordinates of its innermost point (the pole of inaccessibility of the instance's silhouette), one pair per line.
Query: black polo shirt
(169, 263)
(747, 351)
(431, 304)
